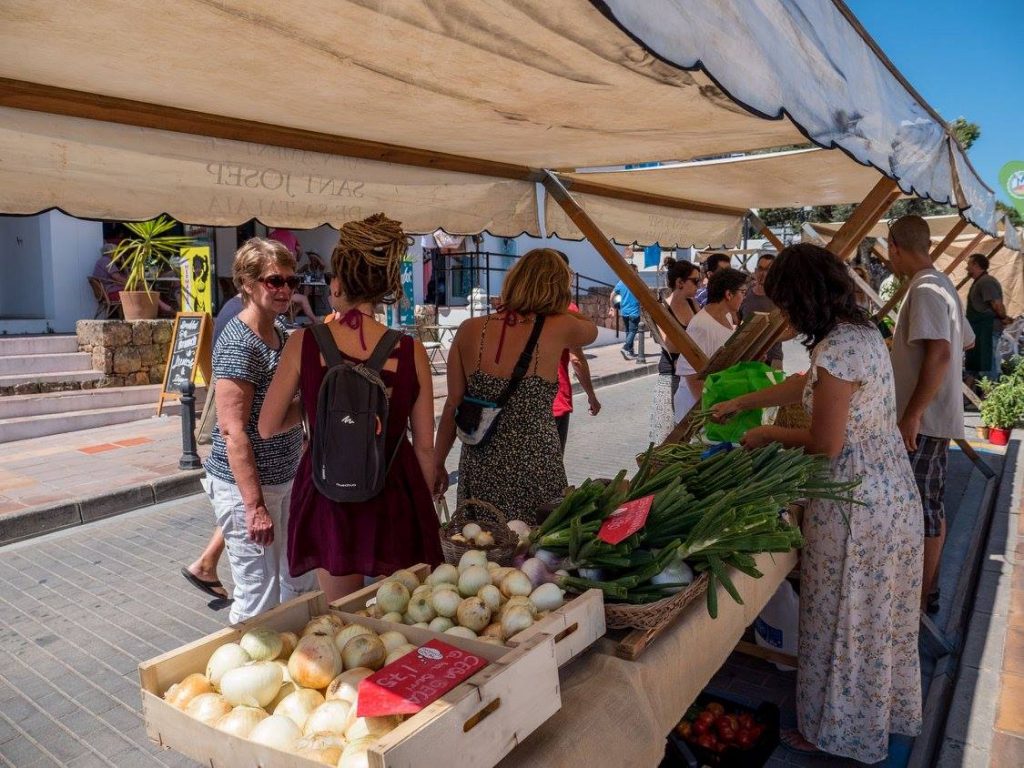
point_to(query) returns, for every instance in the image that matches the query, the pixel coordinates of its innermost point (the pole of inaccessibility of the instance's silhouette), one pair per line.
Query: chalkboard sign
(190, 353)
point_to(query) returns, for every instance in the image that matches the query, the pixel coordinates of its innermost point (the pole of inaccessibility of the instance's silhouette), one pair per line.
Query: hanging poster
(196, 279)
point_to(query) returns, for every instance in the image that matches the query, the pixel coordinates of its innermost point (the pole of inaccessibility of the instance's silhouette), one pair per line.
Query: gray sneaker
(626, 354)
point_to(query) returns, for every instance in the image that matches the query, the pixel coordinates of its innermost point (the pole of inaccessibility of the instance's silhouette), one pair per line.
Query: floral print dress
(859, 677)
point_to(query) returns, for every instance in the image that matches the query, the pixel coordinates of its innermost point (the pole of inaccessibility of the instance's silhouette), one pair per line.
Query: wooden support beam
(937, 251)
(658, 312)
(865, 216)
(765, 231)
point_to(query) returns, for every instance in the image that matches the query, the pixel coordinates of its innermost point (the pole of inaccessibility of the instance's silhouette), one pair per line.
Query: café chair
(105, 306)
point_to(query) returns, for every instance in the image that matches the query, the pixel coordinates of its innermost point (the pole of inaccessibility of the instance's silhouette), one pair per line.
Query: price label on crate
(626, 520)
(419, 678)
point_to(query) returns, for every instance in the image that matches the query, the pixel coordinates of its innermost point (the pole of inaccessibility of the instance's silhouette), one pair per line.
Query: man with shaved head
(928, 341)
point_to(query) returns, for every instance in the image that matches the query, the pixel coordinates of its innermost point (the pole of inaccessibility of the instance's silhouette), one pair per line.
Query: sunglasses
(277, 282)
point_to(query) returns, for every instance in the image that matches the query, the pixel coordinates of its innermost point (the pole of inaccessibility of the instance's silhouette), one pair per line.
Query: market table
(618, 713)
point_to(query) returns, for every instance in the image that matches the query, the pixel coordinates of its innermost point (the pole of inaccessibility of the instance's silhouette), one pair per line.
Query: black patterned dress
(520, 468)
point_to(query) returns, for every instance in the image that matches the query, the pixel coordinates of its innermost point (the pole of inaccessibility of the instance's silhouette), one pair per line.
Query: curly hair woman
(859, 677)
(349, 540)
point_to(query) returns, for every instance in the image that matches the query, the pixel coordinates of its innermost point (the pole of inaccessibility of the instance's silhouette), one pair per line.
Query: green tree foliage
(1014, 215)
(966, 133)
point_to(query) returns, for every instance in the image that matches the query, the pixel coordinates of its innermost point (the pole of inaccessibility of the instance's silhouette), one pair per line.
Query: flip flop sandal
(791, 739)
(209, 587)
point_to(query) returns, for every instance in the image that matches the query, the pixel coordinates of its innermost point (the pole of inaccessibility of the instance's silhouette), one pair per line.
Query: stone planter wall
(128, 353)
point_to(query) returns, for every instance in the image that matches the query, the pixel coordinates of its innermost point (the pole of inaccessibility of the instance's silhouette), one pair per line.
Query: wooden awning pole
(762, 228)
(669, 325)
(844, 243)
(937, 251)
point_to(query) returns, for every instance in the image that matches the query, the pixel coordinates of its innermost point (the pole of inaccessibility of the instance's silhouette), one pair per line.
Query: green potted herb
(1003, 407)
(149, 251)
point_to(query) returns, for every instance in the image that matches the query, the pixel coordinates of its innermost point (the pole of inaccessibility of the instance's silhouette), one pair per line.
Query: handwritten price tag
(419, 678)
(626, 520)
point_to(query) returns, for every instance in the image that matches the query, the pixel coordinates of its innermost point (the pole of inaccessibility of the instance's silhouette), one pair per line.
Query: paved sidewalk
(61, 481)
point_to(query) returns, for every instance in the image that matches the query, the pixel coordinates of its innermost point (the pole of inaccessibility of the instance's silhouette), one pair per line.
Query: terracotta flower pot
(140, 305)
(999, 435)
(982, 433)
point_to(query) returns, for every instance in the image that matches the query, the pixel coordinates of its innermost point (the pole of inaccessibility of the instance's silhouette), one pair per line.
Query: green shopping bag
(733, 382)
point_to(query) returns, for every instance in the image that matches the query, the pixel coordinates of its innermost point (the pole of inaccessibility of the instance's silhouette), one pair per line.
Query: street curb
(37, 521)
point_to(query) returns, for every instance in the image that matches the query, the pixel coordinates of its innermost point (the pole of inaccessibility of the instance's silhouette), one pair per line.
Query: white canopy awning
(200, 109)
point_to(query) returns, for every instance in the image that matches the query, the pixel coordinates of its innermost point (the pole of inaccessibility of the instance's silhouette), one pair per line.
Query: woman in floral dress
(859, 677)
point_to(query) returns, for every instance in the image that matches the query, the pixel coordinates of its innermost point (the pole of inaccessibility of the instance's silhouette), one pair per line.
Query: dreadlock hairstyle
(367, 260)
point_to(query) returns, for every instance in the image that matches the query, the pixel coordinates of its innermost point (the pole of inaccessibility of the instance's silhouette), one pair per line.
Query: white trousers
(260, 573)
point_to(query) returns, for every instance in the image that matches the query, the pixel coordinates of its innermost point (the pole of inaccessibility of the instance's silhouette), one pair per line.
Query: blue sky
(964, 59)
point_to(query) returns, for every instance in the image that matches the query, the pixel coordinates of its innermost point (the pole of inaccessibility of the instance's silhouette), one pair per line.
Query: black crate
(680, 753)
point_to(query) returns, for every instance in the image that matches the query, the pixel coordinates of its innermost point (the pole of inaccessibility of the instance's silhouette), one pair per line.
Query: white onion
(472, 557)
(406, 577)
(352, 630)
(372, 727)
(440, 624)
(398, 653)
(444, 574)
(493, 630)
(241, 720)
(346, 685)
(445, 602)
(374, 611)
(287, 689)
(355, 754)
(323, 748)
(444, 585)
(329, 717)
(314, 662)
(420, 610)
(474, 614)
(276, 731)
(677, 572)
(254, 685)
(491, 640)
(516, 583)
(422, 589)
(228, 656)
(492, 566)
(208, 708)
(498, 574)
(299, 705)
(521, 529)
(283, 664)
(515, 620)
(393, 596)
(392, 640)
(321, 625)
(261, 644)
(421, 625)
(473, 579)
(394, 618)
(491, 596)
(484, 539)
(465, 632)
(180, 694)
(364, 651)
(471, 530)
(288, 642)
(548, 597)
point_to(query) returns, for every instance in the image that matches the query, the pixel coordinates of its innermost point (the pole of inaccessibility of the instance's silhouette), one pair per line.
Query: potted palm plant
(148, 252)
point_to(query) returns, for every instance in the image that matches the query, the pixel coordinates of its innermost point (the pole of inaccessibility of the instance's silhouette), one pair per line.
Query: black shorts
(929, 462)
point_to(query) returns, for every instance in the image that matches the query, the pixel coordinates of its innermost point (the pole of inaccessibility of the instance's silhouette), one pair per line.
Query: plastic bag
(733, 382)
(777, 625)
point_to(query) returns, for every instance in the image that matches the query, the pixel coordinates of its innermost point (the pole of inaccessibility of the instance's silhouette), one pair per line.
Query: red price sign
(406, 686)
(626, 520)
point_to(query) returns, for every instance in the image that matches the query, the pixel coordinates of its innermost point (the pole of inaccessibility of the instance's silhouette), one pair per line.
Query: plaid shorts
(929, 462)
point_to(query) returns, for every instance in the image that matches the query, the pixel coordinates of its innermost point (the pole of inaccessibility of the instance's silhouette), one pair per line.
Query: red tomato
(707, 741)
(715, 708)
(726, 734)
(733, 721)
(745, 739)
(700, 727)
(757, 729)
(746, 720)
(720, 746)
(685, 729)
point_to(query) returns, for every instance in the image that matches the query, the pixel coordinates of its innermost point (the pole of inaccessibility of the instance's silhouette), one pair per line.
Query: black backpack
(348, 440)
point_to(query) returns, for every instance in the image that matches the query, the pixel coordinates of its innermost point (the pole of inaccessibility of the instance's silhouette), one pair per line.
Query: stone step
(28, 427)
(50, 344)
(16, 365)
(57, 377)
(19, 406)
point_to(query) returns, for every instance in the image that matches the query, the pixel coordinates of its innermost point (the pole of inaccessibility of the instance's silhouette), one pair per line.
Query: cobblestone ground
(79, 609)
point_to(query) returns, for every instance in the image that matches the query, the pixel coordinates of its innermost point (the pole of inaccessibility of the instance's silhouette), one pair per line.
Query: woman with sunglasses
(249, 478)
(345, 541)
(683, 278)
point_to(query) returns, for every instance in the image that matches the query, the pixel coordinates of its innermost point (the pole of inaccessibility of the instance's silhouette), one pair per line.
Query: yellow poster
(196, 280)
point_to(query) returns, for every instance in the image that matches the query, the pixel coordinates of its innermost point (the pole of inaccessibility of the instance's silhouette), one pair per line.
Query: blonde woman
(520, 466)
(345, 541)
(249, 478)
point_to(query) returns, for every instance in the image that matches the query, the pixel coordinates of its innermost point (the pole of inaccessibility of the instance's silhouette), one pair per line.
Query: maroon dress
(397, 528)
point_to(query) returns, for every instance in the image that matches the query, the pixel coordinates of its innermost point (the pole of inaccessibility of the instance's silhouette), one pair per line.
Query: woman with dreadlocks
(349, 540)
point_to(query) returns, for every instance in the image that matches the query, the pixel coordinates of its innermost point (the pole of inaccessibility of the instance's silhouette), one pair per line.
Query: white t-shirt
(708, 334)
(931, 310)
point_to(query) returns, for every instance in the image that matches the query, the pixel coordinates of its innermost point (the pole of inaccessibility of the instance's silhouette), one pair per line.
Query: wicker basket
(653, 615)
(488, 517)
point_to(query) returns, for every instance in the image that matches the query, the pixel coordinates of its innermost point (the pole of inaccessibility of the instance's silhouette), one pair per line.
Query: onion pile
(473, 534)
(298, 692)
(478, 599)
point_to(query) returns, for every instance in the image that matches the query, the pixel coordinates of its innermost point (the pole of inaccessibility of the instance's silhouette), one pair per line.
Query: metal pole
(189, 455)
(641, 355)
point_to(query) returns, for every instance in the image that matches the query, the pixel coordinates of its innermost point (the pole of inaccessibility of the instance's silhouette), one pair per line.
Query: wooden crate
(575, 626)
(472, 726)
